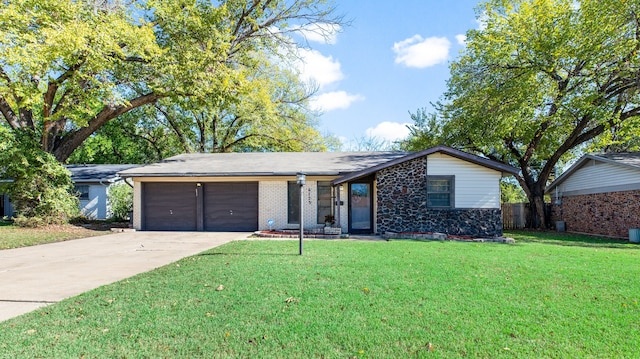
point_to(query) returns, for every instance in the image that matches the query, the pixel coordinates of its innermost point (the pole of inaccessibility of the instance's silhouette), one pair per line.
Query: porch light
(301, 178)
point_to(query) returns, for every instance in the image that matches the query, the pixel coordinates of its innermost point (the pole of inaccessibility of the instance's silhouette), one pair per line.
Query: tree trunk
(536, 206)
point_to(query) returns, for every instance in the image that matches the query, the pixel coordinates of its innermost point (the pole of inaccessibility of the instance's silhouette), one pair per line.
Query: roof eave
(576, 166)
(229, 174)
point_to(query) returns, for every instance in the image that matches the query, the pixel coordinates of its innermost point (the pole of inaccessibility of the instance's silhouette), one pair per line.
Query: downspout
(127, 182)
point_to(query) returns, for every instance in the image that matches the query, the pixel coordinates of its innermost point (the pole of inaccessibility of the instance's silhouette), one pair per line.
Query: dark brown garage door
(231, 206)
(169, 206)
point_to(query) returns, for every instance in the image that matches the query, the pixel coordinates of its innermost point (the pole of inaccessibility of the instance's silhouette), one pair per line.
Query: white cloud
(321, 33)
(317, 68)
(389, 131)
(418, 52)
(336, 100)
(461, 39)
(482, 21)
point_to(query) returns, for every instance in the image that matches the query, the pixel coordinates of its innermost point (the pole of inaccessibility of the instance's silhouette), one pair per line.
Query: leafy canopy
(68, 67)
(542, 79)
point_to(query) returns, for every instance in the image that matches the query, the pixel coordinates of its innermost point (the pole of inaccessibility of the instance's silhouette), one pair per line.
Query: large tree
(69, 67)
(540, 80)
(271, 117)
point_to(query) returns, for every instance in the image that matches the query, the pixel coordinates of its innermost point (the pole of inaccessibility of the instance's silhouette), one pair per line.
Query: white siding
(475, 186)
(595, 174)
(96, 206)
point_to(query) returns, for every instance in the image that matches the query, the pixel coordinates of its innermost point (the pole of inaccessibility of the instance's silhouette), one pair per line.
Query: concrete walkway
(34, 277)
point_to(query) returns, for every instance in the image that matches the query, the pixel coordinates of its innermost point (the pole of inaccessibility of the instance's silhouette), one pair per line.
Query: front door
(360, 208)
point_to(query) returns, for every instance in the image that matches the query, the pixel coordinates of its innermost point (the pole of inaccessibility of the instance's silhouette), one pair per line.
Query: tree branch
(74, 139)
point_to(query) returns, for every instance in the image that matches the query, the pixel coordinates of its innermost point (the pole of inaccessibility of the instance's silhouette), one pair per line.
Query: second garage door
(231, 206)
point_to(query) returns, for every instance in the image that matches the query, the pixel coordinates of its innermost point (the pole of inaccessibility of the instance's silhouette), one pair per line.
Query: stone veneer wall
(402, 206)
(608, 214)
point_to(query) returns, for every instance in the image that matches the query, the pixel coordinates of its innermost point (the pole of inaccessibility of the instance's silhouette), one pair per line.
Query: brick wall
(273, 202)
(402, 206)
(608, 214)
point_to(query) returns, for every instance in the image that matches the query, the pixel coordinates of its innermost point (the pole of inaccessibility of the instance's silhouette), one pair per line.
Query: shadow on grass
(4, 223)
(569, 239)
(246, 254)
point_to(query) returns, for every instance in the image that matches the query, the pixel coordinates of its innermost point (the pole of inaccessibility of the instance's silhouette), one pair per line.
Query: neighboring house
(91, 183)
(6, 210)
(599, 194)
(435, 190)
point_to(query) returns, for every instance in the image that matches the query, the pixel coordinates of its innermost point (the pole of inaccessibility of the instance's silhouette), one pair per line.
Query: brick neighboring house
(599, 194)
(436, 190)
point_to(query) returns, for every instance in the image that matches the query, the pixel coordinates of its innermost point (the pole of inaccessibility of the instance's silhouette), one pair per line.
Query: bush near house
(40, 187)
(120, 198)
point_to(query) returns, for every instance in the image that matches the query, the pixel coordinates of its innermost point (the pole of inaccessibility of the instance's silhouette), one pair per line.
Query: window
(82, 191)
(324, 200)
(440, 191)
(293, 202)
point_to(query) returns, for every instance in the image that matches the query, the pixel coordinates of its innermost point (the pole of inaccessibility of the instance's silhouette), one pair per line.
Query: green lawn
(371, 299)
(12, 236)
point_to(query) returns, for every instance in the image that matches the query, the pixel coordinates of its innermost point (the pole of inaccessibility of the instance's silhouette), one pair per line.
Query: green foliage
(68, 67)
(540, 80)
(39, 186)
(136, 137)
(425, 132)
(510, 192)
(120, 197)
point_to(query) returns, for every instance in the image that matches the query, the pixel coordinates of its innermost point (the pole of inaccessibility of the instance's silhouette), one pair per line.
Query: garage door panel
(231, 206)
(169, 206)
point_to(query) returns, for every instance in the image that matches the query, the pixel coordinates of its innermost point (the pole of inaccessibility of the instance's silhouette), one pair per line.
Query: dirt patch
(99, 225)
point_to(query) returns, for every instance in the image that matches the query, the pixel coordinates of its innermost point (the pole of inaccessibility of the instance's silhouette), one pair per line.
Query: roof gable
(498, 166)
(630, 160)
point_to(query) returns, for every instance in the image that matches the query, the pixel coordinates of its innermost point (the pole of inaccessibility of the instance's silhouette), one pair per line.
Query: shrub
(120, 201)
(40, 187)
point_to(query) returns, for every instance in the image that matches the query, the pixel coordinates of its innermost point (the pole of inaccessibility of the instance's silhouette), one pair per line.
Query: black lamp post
(301, 180)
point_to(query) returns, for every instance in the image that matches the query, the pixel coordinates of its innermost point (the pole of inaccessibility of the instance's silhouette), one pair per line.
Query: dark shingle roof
(96, 173)
(290, 163)
(263, 164)
(626, 158)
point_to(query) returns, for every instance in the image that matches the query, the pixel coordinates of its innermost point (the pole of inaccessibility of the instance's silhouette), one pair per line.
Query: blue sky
(392, 59)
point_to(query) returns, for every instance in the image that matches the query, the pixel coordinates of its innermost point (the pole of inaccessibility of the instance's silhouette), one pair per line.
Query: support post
(301, 180)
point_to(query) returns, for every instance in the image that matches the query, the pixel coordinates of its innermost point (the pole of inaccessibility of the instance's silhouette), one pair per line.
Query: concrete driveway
(34, 277)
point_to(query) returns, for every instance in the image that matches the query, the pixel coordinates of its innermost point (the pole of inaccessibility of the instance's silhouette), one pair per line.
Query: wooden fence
(514, 215)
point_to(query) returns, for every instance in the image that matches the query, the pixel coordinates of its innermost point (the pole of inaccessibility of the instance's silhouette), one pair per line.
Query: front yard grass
(12, 236)
(364, 299)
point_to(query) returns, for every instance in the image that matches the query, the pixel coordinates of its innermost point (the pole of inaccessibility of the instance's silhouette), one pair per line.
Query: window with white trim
(440, 191)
